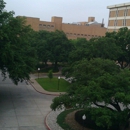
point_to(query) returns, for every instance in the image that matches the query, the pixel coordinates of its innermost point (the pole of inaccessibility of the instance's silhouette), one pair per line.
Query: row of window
(44, 25)
(84, 35)
(125, 12)
(124, 23)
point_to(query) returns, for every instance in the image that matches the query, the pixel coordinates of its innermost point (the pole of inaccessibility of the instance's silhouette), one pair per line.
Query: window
(115, 23)
(52, 25)
(124, 22)
(125, 12)
(40, 24)
(48, 26)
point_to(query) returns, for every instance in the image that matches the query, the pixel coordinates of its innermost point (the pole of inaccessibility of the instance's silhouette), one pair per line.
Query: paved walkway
(51, 117)
(22, 108)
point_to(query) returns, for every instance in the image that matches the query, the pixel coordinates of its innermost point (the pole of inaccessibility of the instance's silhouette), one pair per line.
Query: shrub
(50, 74)
(89, 123)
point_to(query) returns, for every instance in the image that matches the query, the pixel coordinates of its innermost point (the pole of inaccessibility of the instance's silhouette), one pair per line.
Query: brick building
(74, 30)
(119, 16)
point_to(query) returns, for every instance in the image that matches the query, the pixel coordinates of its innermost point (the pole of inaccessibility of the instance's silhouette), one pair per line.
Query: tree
(81, 49)
(59, 47)
(16, 54)
(50, 74)
(122, 40)
(102, 87)
(105, 48)
(99, 85)
(41, 45)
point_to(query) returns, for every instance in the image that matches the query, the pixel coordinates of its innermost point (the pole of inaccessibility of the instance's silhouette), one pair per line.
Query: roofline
(118, 5)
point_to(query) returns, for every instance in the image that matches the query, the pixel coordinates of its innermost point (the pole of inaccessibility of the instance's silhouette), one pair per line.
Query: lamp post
(58, 82)
(38, 72)
(83, 117)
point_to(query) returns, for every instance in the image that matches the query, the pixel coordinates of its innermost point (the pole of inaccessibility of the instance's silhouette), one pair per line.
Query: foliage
(81, 49)
(105, 48)
(63, 101)
(40, 42)
(50, 74)
(85, 70)
(52, 46)
(101, 83)
(16, 54)
(59, 47)
(53, 85)
(89, 122)
(122, 39)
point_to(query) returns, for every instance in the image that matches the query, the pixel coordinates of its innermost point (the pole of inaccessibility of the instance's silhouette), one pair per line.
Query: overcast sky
(70, 10)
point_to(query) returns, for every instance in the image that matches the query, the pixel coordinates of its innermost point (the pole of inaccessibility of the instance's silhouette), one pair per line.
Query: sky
(70, 10)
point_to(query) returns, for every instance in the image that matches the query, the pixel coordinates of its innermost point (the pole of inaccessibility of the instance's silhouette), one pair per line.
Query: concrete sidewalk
(51, 117)
(22, 108)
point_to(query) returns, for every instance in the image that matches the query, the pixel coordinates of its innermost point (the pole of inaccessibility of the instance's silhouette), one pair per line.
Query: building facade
(88, 30)
(119, 16)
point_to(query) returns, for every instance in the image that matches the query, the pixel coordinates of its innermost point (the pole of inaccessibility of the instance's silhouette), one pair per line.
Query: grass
(52, 85)
(61, 119)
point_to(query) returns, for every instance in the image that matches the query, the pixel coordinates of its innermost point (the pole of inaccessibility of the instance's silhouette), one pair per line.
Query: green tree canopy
(105, 48)
(40, 43)
(122, 40)
(101, 85)
(81, 49)
(16, 54)
(59, 47)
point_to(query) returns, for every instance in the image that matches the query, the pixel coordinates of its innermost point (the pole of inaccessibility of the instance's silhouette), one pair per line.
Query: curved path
(22, 108)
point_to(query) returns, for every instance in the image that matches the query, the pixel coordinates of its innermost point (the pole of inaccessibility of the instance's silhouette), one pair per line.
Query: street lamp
(58, 82)
(38, 72)
(83, 117)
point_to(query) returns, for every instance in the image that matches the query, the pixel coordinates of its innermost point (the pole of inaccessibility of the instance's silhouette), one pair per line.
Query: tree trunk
(55, 64)
(45, 63)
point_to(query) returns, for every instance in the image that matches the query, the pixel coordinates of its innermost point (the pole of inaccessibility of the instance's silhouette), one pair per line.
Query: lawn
(53, 85)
